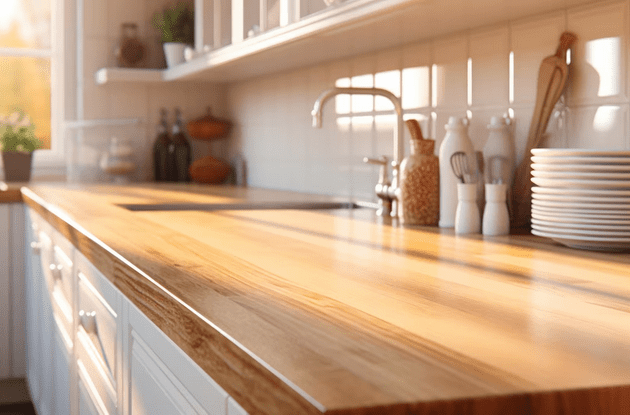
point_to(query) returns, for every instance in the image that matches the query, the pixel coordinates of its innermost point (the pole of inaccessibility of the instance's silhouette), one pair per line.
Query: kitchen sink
(144, 207)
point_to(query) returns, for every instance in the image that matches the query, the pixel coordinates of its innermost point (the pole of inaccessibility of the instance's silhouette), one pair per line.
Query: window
(25, 62)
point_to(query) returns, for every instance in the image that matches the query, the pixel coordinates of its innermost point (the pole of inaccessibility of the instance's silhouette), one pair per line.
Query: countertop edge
(276, 394)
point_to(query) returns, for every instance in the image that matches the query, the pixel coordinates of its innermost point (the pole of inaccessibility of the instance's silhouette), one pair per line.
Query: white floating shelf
(109, 75)
(351, 28)
(102, 122)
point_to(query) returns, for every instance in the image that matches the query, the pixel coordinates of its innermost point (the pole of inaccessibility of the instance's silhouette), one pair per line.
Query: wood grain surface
(10, 193)
(307, 312)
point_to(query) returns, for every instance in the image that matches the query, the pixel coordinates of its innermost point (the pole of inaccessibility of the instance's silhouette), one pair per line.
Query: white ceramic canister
(499, 144)
(456, 139)
(496, 219)
(467, 218)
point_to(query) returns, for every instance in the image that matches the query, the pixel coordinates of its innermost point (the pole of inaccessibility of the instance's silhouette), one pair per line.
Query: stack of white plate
(581, 198)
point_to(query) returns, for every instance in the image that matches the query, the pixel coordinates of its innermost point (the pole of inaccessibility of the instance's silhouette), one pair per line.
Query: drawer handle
(36, 248)
(55, 270)
(88, 320)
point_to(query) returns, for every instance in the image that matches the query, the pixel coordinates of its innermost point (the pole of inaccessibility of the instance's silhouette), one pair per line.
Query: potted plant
(17, 143)
(177, 27)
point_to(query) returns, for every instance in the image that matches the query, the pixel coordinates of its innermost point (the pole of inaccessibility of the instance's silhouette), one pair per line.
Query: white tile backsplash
(272, 121)
(489, 54)
(431, 77)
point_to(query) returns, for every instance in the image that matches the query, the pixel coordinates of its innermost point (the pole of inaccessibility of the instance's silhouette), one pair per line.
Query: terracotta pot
(208, 127)
(17, 166)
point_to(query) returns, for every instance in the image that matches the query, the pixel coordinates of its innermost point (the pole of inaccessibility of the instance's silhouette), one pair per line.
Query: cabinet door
(33, 311)
(86, 405)
(61, 375)
(161, 378)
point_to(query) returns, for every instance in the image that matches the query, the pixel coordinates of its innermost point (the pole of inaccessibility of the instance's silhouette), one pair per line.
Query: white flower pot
(174, 53)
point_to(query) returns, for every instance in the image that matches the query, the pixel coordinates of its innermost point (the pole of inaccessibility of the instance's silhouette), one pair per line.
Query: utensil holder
(496, 219)
(467, 218)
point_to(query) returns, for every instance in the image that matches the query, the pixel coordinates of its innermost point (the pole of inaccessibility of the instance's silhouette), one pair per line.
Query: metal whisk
(459, 164)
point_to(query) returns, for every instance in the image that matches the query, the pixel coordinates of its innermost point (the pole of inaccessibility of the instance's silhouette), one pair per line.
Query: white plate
(580, 221)
(583, 232)
(581, 160)
(619, 230)
(580, 192)
(622, 168)
(580, 213)
(579, 205)
(581, 175)
(582, 199)
(579, 152)
(586, 242)
(580, 184)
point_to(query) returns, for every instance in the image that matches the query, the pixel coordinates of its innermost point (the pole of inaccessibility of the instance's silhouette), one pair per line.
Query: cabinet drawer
(62, 257)
(98, 332)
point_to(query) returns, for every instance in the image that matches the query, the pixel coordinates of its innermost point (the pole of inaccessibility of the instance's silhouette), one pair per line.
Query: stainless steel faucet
(385, 190)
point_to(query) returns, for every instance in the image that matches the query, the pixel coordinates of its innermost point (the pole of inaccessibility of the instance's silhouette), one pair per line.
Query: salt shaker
(496, 219)
(467, 218)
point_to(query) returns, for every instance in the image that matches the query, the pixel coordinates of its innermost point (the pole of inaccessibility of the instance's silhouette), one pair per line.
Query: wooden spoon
(414, 129)
(552, 77)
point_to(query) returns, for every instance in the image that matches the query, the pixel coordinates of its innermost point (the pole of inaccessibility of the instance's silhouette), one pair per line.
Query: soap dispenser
(456, 139)
(499, 145)
(419, 188)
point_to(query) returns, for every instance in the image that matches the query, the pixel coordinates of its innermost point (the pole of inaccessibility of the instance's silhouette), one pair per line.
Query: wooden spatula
(552, 77)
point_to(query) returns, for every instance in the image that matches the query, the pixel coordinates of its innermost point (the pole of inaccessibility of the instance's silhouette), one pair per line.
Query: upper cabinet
(241, 39)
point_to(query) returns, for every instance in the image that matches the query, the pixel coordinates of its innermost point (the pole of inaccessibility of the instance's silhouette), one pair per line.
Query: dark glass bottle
(183, 152)
(163, 152)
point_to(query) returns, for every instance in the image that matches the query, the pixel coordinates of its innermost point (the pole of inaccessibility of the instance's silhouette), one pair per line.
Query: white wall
(102, 21)
(272, 114)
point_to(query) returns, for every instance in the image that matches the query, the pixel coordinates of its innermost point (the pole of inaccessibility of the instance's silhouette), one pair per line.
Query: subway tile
(489, 55)
(598, 68)
(478, 128)
(95, 18)
(449, 83)
(384, 135)
(363, 179)
(119, 12)
(602, 126)
(416, 76)
(532, 40)
(331, 178)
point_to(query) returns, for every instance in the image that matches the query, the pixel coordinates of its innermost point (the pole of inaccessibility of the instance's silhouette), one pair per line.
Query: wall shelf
(351, 28)
(111, 75)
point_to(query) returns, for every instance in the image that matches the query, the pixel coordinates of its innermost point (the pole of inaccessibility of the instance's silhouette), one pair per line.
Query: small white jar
(496, 219)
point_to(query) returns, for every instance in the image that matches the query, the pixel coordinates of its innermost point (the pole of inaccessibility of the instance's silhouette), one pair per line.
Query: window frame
(51, 163)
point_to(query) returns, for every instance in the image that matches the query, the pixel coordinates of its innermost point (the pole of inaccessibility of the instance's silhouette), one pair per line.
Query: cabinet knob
(55, 270)
(36, 248)
(87, 319)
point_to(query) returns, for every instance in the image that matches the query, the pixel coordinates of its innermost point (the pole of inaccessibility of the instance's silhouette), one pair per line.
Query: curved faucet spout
(386, 192)
(398, 132)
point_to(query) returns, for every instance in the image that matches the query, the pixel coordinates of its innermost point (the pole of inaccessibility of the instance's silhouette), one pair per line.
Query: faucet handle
(383, 177)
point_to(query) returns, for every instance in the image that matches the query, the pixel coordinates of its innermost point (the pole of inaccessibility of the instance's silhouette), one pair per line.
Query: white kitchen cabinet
(98, 338)
(161, 378)
(308, 35)
(49, 340)
(12, 305)
(114, 360)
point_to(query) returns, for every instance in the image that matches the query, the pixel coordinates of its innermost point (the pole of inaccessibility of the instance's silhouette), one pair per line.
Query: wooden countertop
(310, 312)
(10, 192)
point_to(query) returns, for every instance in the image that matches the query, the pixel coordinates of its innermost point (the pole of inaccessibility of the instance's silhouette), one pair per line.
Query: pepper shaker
(467, 218)
(496, 219)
